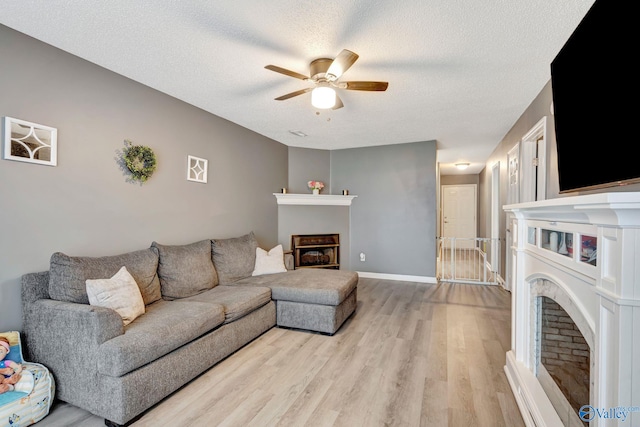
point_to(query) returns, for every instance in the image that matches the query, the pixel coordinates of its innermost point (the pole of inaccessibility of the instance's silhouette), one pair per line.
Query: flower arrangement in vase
(315, 186)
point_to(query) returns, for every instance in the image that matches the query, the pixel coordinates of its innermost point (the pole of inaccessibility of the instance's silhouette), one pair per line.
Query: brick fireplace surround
(565, 354)
(602, 300)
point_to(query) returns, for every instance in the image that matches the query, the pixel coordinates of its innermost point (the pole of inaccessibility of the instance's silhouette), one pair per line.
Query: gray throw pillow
(185, 270)
(234, 258)
(68, 275)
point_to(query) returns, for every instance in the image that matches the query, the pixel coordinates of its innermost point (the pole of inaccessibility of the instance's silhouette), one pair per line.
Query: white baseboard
(398, 277)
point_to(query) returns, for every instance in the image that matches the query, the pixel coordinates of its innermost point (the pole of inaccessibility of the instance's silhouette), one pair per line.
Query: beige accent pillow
(120, 293)
(269, 262)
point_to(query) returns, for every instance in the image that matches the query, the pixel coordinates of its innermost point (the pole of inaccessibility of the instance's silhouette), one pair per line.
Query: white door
(459, 212)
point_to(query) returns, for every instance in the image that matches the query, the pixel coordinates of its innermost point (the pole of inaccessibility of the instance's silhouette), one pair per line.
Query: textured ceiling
(459, 72)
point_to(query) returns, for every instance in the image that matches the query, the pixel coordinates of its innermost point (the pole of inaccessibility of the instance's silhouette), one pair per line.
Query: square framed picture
(29, 142)
(197, 169)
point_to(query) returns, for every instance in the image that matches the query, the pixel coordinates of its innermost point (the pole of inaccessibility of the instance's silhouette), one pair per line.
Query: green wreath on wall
(139, 160)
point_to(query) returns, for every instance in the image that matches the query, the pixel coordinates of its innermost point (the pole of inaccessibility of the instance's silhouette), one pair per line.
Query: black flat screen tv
(594, 85)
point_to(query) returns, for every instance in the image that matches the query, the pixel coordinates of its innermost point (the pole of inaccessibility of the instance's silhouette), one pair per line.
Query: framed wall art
(197, 169)
(29, 142)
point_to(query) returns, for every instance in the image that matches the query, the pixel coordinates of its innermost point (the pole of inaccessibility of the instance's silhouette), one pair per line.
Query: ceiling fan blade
(375, 86)
(292, 94)
(341, 63)
(339, 103)
(286, 72)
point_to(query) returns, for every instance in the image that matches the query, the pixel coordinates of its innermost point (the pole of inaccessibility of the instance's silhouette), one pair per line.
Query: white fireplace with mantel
(316, 214)
(583, 254)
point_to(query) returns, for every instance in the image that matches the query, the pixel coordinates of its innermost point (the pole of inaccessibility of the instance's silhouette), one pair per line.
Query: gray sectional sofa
(201, 304)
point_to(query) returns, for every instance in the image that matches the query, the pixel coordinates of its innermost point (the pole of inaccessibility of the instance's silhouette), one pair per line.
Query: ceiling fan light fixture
(323, 97)
(462, 166)
(324, 74)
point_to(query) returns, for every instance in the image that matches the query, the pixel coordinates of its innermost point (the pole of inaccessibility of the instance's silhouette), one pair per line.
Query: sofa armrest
(66, 337)
(57, 326)
(35, 286)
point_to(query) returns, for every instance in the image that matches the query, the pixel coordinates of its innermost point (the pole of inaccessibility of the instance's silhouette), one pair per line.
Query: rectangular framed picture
(197, 169)
(29, 142)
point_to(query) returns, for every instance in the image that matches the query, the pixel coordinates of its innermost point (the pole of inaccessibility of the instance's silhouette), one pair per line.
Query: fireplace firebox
(316, 250)
(564, 361)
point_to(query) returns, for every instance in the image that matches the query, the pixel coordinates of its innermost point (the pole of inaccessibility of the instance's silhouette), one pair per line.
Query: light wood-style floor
(413, 354)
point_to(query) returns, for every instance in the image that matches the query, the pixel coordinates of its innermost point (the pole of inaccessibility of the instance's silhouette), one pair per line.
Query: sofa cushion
(68, 275)
(237, 301)
(165, 326)
(119, 293)
(185, 270)
(234, 258)
(269, 262)
(308, 285)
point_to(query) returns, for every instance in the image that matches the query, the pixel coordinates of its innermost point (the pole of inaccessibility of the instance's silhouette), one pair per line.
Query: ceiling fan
(325, 74)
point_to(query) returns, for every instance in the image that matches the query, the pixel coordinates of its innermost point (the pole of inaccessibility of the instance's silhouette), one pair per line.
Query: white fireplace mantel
(314, 199)
(605, 295)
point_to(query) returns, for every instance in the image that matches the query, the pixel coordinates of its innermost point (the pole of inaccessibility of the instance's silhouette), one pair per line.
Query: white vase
(562, 249)
(316, 191)
(553, 241)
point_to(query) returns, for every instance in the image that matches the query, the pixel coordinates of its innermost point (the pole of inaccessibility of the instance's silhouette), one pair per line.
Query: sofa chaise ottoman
(310, 299)
(196, 304)
(318, 300)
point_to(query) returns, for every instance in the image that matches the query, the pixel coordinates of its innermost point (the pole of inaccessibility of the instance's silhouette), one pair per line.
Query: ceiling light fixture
(323, 96)
(298, 133)
(462, 166)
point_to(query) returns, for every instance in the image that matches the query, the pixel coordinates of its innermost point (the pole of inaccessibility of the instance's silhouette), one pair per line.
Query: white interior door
(459, 211)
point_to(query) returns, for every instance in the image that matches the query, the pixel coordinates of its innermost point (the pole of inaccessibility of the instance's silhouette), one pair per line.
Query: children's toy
(26, 389)
(9, 370)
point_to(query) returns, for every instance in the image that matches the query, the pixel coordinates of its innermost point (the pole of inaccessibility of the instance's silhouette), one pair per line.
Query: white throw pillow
(269, 262)
(119, 293)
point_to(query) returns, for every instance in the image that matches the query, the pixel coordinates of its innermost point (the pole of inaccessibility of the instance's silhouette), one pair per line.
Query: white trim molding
(314, 199)
(397, 277)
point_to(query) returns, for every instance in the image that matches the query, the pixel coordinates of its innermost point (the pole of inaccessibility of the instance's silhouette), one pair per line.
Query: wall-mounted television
(594, 85)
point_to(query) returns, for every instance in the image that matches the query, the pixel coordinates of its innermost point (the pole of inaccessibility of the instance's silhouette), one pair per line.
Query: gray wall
(393, 219)
(84, 206)
(306, 164)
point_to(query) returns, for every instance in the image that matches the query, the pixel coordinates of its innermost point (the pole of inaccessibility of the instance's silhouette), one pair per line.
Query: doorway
(459, 211)
(462, 255)
(534, 165)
